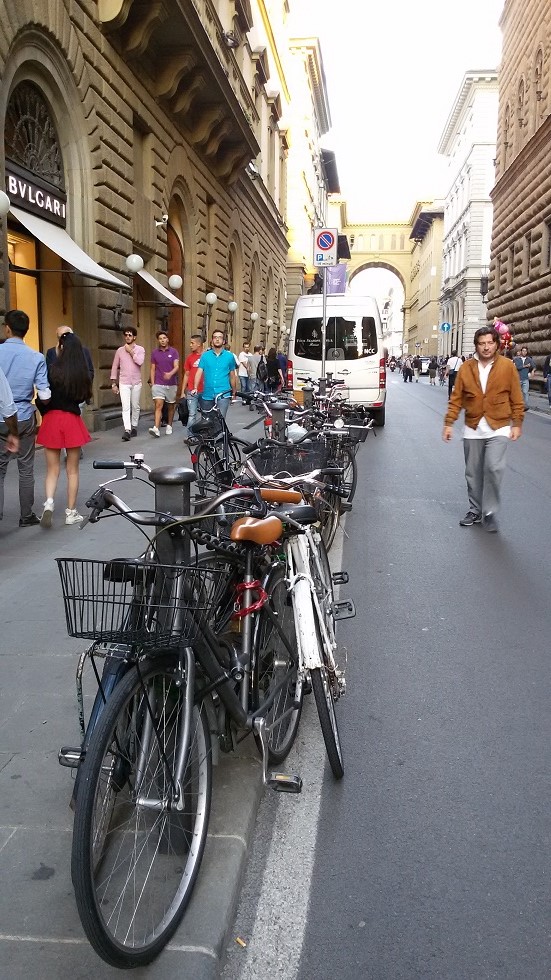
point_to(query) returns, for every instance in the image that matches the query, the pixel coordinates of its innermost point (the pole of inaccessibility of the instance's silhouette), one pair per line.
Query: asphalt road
(431, 858)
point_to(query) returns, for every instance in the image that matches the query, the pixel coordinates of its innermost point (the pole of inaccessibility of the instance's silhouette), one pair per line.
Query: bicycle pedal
(343, 609)
(280, 782)
(70, 757)
(340, 578)
(345, 506)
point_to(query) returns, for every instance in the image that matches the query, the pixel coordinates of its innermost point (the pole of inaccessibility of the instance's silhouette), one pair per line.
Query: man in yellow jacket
(488, 388)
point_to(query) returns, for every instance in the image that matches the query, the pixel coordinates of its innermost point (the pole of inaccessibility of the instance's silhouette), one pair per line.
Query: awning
(63, 245)
(162, 290)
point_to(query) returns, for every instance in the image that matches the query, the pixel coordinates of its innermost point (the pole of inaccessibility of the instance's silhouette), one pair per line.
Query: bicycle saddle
(301, 513)
(265, 530)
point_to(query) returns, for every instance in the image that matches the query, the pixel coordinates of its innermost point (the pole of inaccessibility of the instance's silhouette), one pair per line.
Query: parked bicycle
(217, 643)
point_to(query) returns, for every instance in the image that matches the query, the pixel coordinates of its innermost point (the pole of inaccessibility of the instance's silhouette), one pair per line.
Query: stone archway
(382, 246)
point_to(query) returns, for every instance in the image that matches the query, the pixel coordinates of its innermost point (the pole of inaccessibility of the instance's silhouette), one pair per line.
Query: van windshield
(347, 338)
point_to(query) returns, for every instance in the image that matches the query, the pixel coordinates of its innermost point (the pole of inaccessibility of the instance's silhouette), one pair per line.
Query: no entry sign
(325, 246)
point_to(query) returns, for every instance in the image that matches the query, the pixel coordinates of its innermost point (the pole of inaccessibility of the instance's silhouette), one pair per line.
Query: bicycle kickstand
(280, 782)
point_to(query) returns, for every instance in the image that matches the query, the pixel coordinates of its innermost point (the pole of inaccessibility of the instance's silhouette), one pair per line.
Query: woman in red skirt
(62, 426)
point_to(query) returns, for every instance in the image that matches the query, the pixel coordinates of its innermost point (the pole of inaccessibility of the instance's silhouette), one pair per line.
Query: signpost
(445, 327)
(325, 254)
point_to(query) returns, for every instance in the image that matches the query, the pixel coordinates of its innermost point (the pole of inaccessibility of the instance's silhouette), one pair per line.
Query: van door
(351, 349)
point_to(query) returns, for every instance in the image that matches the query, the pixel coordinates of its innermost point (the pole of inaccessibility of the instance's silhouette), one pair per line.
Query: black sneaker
(31, 521)
(490, 524)
(470, 519)
(126, 437)
(133, 432)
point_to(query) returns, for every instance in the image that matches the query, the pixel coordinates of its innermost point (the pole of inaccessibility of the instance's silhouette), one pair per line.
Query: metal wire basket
(137, 602)
(292, 460)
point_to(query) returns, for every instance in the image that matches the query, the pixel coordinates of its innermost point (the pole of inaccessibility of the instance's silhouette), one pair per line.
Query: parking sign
(325, 246)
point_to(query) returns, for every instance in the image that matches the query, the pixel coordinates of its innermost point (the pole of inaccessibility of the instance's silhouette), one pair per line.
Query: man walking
(25, 370)
(488, 388)
(417, 367)
(407, 368)
(243, 370)
(525, 367)
(9, 428)
(164, 381)
(191, 364)
(217, 372)
(126, 378)
(452, 367)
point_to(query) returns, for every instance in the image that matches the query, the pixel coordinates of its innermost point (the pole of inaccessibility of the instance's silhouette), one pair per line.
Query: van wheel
(378, 415)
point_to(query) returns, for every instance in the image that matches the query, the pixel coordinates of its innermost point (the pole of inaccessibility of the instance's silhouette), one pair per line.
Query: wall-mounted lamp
(210, 300)
(269, 325)
(175, 282)
(230, 39)
(484, 280)
(134, 263)
(5, 204)
(232, 310)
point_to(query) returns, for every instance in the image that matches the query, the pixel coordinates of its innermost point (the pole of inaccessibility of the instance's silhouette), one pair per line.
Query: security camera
(162, 222)
(253, 171)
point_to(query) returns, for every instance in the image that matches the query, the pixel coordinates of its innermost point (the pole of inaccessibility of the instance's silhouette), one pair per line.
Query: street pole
(323, 331)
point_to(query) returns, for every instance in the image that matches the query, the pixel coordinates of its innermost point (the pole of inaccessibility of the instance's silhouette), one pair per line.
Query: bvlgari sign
(33, 194)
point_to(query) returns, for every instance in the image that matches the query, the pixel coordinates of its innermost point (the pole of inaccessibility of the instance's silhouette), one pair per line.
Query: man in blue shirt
(8, 412)
(25, 370)
(217, 365)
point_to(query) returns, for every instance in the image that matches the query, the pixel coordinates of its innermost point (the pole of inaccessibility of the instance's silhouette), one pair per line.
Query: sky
(393, 70)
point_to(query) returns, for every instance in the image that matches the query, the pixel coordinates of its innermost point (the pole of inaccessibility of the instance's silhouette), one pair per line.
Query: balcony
(177, 49)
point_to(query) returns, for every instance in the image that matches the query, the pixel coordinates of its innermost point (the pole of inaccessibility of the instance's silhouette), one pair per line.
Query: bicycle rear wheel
(275, 668)
(138, 839)
(329, 509)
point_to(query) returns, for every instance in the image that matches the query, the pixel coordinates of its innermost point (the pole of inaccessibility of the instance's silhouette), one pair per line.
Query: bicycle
(217, 452)
(143, 804)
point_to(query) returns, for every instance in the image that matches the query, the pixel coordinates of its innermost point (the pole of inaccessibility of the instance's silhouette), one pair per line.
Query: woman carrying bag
(275, 379)
(62, 426)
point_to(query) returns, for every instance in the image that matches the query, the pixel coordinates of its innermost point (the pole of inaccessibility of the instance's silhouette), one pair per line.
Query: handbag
(183, 411)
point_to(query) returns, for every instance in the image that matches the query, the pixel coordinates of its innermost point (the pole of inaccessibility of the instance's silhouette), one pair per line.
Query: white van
(353, 351)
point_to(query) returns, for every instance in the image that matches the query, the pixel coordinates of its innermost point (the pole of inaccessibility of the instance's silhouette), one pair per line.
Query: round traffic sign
(445, 327)
(325, 241)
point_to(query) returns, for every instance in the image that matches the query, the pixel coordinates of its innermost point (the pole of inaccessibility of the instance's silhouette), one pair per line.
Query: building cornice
(471, 81)
(314, 66)
(539, 140)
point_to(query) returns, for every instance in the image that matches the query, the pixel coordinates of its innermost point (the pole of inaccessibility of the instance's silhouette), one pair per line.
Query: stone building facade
(427, 224)
(469, 144)
(148, 129)
(520, 270)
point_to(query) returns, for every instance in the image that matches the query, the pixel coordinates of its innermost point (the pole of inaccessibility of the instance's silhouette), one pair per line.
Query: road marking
(275, 944)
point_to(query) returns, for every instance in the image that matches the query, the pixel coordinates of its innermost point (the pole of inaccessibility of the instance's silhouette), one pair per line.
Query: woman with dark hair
(62, 426)
(275, 377)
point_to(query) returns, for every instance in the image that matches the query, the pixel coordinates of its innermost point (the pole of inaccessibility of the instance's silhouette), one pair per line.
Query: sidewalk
(40, 933)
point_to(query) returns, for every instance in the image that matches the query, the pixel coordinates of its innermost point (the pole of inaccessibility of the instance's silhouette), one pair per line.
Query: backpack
(262, 370)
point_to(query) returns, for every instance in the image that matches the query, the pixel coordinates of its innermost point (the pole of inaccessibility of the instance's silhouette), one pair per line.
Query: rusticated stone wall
(520, 272)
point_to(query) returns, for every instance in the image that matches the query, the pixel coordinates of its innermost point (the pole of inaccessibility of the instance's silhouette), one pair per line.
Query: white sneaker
(168, 430)
(72, 516)
(47, 513)
(155, 432)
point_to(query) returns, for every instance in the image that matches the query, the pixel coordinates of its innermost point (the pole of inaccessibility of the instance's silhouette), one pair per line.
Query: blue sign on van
(445, 327)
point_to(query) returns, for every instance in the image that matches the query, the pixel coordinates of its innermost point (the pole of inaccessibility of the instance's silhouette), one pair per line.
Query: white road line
(275, 945)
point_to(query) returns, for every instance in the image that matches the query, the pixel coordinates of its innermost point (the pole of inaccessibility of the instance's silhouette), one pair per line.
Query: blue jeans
(193, 408)
(525, 385)
(245, 383)
(223, 404)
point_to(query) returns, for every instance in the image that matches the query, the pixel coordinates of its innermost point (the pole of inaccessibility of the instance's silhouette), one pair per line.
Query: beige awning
(162, 290)
(63, 245)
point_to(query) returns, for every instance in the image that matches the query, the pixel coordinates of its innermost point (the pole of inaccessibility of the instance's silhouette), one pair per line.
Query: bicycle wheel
(328, 510)
(325, 704)
(138, 839)
(347, 459)
(321, 576)
(206, 466)
(274, 666)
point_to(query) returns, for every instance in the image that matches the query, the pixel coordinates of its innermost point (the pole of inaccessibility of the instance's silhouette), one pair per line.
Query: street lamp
(253, 319)
(210, 300)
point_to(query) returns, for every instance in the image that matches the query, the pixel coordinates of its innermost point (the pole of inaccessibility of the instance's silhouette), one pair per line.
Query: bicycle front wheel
(325, 704)
(139, 833)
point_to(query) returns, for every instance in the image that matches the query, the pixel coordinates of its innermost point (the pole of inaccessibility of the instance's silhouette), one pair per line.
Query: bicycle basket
(136, 602)
(291, 460)
(207, 428)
